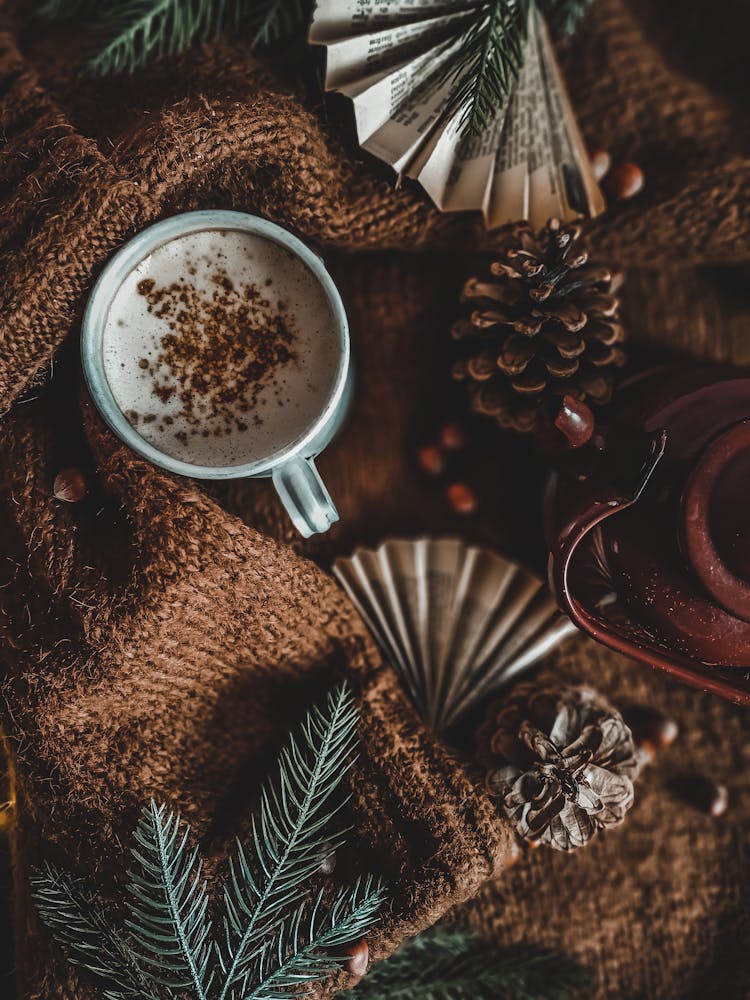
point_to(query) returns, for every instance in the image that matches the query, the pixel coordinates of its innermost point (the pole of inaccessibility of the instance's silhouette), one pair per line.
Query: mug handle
(305, 496)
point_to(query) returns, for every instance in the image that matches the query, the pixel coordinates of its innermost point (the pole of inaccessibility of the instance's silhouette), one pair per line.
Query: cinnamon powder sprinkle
(220, 352)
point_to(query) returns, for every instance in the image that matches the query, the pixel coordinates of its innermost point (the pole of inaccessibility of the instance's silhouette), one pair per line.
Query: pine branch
(134, 30)
(488, 62)
(291, 835)
(457, 965)
(169, 903)
(129, 32)
(80, 926)
(296, 958)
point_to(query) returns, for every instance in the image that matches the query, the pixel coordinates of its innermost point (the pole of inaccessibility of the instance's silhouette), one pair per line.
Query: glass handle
(305, 496)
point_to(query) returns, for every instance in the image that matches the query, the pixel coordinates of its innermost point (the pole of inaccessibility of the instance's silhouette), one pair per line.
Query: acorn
(70, 485)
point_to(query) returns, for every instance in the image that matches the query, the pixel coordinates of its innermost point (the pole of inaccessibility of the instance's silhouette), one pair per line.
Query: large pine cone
(544, 325)
(561, 762)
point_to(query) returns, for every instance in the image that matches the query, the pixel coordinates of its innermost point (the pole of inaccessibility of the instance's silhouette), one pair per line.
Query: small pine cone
(545, 324)
(562, 763)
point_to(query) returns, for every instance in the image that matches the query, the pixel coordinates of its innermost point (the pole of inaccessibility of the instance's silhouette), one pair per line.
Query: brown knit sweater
(160, 641)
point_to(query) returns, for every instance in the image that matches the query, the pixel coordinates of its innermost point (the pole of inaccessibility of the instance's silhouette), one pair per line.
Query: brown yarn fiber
(156, 640)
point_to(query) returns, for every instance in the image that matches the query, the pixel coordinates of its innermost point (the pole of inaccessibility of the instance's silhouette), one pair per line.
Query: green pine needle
(277, 938)
(134, 30)
(169, 904)
(488, 63)
(128, 33)
(292, 834)
(290, 963)
(81, 927)
(459, 965)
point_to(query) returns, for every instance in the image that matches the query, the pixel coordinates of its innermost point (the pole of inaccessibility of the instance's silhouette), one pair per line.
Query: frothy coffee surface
(220, 348)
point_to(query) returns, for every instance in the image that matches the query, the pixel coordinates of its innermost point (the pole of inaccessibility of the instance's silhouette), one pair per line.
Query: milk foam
(283, 409)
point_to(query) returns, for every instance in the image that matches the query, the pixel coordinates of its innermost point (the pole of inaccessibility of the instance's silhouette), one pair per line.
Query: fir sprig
(127, 33)
(459, 965)
(292, 834)
(169, 905)
(131, 31)
(277, 938)
(79, 924)
(351, 914)
(488, 61)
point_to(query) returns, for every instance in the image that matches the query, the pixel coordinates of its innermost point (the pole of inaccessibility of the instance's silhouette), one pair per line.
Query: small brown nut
(70, 485)
(624, 181)
(575, 421)
(515, 853)
(461, 498)
(601, 161)
(328, 864)
(430, 459)
(453, 436)
(704, 793)
(712, 797)
(359, 957)
(651, 728)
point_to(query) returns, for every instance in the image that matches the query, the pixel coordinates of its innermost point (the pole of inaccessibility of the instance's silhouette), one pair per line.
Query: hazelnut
(70, 485)
(461, 498)
(430, 459)
(705, 794)
(651, 728)
(601, 161)
(575, 421)
(624, 181)
(359, 957)
(453, 436)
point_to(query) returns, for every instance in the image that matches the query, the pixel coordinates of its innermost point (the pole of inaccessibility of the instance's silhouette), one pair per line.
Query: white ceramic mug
(292, 466)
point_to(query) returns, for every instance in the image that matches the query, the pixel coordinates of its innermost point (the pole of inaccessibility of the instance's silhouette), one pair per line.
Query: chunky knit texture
(160, 640)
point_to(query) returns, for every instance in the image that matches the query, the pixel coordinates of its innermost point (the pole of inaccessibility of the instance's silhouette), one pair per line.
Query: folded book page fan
(394, 60)
(457, 622)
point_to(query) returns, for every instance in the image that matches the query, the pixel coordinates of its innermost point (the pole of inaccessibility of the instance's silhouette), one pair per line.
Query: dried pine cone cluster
(561, 762)
(544, 325)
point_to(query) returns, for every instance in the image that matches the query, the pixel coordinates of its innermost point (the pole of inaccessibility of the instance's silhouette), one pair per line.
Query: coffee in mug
(216, 345)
